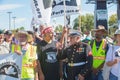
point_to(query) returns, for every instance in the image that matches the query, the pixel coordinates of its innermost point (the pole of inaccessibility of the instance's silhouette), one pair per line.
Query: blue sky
(21, 9)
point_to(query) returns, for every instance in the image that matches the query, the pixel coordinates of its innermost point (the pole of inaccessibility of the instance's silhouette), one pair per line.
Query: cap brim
(74, 34)
(17, 35)
(103, 30)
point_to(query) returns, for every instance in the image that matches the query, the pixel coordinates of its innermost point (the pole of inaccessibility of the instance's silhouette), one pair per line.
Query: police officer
(79, 58)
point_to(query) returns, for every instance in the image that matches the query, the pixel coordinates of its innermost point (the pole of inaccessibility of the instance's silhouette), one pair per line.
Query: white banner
(102, 15)
(119, 24)
(10, 66)
(42, 10)
(72, 7)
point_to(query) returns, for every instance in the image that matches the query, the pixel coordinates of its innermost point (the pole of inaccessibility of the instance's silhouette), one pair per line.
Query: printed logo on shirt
(51, 57)
(117, 53)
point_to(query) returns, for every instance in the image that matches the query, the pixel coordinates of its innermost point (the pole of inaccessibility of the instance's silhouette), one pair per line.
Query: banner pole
(65, 39)
(80, 17)
(64, 12)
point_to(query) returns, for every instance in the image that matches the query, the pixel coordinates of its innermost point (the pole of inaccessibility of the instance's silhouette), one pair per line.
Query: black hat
(8, 32)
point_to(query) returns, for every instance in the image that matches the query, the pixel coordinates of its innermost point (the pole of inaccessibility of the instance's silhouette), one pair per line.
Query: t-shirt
(113, 53)
(4, 48)
(47, 55)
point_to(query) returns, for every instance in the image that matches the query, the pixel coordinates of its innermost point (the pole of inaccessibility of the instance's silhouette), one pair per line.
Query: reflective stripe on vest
(98, 55)
(28, 63)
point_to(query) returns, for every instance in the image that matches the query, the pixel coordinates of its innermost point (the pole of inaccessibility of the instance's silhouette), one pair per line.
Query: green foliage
(21, 28)
(113, 20)
(86, 21)
(112, 24)
(58, 28)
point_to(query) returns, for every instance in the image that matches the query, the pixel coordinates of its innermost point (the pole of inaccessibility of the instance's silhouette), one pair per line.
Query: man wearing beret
(79, 58)
(47, 55)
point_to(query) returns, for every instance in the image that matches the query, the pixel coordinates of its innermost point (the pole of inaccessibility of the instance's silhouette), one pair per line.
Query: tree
(87, 22)
(59, 28)
(113, 20)
(21, 28)
(112, 23)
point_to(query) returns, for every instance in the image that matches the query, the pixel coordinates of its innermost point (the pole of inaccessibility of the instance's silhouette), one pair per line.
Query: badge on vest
(80, 50)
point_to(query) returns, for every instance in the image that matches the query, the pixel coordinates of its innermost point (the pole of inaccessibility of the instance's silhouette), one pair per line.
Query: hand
(95, 71)
(18, 52)
(59, 45)
(41, 76)
(64, 30)
(80, 77)
(116, 60)
(36, 78)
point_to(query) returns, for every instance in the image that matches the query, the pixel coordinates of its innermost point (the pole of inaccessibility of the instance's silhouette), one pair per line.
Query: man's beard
(99, 37)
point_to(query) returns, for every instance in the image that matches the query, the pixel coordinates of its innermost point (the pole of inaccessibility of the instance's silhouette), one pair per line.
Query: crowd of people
(49, 57)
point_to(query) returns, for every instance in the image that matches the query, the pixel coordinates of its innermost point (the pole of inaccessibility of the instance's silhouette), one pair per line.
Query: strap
(112, 51)
(76, 64)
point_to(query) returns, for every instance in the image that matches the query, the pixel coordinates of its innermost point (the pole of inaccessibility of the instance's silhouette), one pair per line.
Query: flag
(72, 7)
(10, 66)
(42, 10)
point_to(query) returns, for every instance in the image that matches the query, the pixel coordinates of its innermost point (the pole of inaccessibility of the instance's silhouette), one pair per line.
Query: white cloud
(86, 12)
(111, 13)
(20, 20)
(9, 6)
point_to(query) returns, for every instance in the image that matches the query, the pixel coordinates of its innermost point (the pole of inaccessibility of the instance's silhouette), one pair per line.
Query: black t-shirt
(47, 55)
(98, 44)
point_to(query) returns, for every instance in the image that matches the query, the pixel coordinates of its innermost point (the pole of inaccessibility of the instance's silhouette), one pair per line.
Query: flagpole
(65, 22)
(64, 12)
(80, 17)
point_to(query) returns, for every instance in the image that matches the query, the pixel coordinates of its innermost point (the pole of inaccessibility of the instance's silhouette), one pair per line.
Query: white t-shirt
(4, 48)
(112, 54)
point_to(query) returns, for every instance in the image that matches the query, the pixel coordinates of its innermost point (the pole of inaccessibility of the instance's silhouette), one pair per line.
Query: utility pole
(118, 12)
(14, 21)
(101, 13)
(9, 13)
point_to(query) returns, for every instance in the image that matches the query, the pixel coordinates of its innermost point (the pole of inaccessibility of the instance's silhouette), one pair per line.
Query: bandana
(47, 30)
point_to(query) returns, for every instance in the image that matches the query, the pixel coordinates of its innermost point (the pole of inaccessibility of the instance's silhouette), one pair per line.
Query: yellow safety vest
(98, 55)
(28, 63)
(15, 47)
